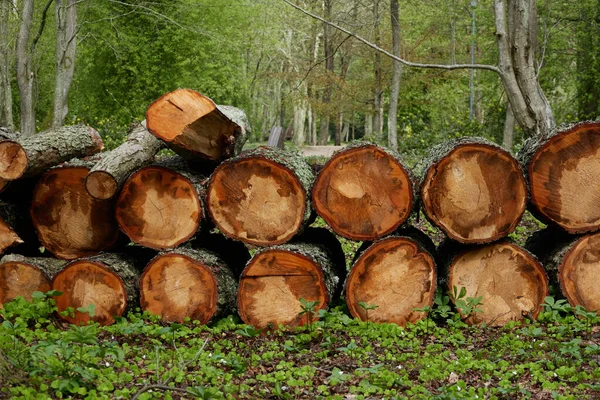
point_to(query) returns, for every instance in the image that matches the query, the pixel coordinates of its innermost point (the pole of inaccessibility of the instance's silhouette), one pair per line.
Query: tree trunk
(22, 276)
(509, 129)
(363, 192)
(8, 221)
(378, 75)
(299, 122)
(195, 128)
(161, 205)
(396, 275)
(66, 44)
(329, 71)
(188, 283)
(396, 77)
(25, 76)
(261, 197)
(108, 283)
(323, 139)
(69, 222)
(472, 189)
(6, 55)
(368, 125)
(511, 282)
(563, 174)
(108, 176)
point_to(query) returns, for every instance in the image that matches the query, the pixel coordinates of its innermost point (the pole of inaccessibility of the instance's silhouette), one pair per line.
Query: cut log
(108, 175)
(13, 160)
(572, 262)
(563, 170)
(193, 126)
(22, 276)
(261, 197)
(276, 279)
(188, 283)
(363, 192)
(161, 206)
(109, 282)
(473, 190)
(396, 275)
(8, 220)
(510, 280)
(69, 222)
(235, 254)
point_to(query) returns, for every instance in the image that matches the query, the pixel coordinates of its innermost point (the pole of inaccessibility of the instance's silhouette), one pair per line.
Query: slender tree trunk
(396, 77)
(24, 70)
(329, 66)
(66, 43)
(299, 121)
(509, 129)
(368, 125)
(6, 115)
(377, 88)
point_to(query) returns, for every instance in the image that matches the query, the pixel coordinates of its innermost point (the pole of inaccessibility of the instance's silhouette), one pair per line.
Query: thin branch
(42, 25)
(390, 55)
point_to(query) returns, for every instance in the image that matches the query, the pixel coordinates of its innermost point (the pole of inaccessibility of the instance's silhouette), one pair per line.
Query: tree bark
(378, 75)
(261, 197)
(472, 189)
(187, 283)
(329, 71)
(109, 282)
(364, 192)
(509, 129)
(161, 206)
(108, 176)
(66, 45)
(6, 55)
(25, 76)
(396, 77)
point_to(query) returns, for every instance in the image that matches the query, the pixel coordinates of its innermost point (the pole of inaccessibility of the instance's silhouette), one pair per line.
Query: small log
(22, 276)
(69, 222)
(235, 254)
(161, 205)
(108, 175)
(8, 220)
(275, 280)
(396, 275)
(187, 283)
(363, 192)
(472, 189)
(193, 126)
(108, 281)
(261, 197)
(13, 159)
(511, 281)
(563, 172)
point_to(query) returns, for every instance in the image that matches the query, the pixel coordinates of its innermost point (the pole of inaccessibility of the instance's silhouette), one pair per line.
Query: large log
(161, 205)
(472, 189)
(363, 192)
(563, 169)
(194, 127)
(188, 283)
(22, 276)
(261, 197)
(69, 222)
(109, 282)
(510, 280)
(9, 216)
(107, 177)
(396, 275)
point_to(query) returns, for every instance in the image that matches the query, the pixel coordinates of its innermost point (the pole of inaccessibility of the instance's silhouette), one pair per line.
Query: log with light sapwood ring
(261, 197)
(69, 222)
(276, 279)
(8, 221)
(161, 206)
(395, 276)
(563, 170)
(22, 276)
(13, 159)
(188, 283)
(108, 175)
(109, 282)
(193, 126)
(473, 190)
(511, 282)
(363, 192)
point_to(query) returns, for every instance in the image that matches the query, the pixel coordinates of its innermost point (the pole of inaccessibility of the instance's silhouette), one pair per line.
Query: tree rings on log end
(13, 160)
(21, 279)
(272, 285)
(511, 281)
(70, 223)
(101, 185)
(175, 287)
(394, 275)
(8, 237)
(257, 201)
(158, 208)
(564, 175)
(475, 194)
(363, 193)
(84, 283)
(579, 271)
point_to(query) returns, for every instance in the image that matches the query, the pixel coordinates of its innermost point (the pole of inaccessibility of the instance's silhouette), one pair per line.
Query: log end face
(13, 160)
(8, 237)
(101, 185)
(579, 271)
(21, 279)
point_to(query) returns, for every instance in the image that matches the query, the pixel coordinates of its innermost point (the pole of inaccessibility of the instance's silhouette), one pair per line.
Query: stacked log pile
(171, 235)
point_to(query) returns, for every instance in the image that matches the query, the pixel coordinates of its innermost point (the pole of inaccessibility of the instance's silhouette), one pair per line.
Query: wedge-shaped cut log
(364, 192)
(563, 171)
(8, 220)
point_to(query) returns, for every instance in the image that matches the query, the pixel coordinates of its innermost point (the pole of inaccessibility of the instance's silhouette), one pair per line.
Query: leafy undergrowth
(335, 357)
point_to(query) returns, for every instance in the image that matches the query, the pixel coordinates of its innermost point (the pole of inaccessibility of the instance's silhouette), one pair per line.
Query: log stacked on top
(174, 267)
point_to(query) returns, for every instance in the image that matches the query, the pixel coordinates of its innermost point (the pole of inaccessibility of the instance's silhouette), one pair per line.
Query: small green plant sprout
(465, 305)
(308, 309)
(590, 317)
(555, 309)
(367, 308)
